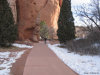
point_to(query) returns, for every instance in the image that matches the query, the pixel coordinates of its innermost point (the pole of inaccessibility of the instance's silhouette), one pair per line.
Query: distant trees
(66, 28)
(8, 30)
(90, 15)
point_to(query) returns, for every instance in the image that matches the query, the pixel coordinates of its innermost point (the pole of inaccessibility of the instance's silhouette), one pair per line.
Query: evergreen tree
(8, 30)
(66, 28)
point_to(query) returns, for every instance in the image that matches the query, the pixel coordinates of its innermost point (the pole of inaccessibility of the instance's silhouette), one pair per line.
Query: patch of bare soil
(27, 42)
(18, 66)
(11, 49)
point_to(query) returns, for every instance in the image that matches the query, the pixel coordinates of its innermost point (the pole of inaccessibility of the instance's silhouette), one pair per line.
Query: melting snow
(83, 65)
(6, 61)
(22, 45)
(96, 45)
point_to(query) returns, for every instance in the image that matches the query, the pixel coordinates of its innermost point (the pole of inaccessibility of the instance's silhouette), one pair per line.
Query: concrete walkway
(42, 61)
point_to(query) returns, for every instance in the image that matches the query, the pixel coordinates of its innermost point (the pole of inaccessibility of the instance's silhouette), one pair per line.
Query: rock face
(31, 12)
(12, 4)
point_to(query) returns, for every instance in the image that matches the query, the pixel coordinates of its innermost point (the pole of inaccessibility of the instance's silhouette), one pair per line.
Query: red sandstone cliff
(31, 12)
(12, 4)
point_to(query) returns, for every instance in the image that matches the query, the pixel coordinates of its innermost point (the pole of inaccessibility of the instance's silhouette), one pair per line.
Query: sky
(75, 3)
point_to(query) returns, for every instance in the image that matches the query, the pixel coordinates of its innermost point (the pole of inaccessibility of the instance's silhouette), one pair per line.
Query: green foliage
(66, 28)
(8, 30)
(43, 30)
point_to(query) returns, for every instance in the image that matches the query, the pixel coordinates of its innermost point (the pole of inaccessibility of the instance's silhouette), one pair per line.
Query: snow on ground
(22, 45)
(83, 65)
(77, 39)
(6, 61)
(96, 45)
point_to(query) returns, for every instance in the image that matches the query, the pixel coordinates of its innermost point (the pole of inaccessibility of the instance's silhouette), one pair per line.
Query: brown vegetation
(85, 46)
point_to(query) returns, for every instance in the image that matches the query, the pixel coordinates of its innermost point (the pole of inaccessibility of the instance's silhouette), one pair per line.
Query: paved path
(42, 61)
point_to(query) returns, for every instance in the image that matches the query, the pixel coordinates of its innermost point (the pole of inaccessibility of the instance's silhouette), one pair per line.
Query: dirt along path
(42, 61)
(18, 66)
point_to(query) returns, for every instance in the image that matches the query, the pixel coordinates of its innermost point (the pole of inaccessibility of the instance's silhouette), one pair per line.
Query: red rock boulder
(31, 12)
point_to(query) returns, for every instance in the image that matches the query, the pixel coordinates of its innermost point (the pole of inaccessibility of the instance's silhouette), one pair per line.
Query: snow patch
(96, 45)
(77, 39)
(6, 61)
(83, 65)
(22, 45)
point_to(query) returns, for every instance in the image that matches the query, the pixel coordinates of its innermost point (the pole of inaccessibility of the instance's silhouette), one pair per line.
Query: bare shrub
(43, 30)
(51, 33)
(90, 14)
(94, 36)
(83, 46)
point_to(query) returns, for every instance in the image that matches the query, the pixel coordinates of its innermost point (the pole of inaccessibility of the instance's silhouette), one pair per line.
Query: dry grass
(11, 49)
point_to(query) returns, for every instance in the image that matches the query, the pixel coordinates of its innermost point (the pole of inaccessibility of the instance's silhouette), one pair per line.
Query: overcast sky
(78, 3)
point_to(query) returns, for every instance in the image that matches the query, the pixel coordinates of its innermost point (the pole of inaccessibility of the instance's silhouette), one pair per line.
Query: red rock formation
(12, 4)
(31, 12)
(60, 2)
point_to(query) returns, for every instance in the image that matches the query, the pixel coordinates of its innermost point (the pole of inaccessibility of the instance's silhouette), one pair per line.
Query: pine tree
(66, 28)
(8, 30)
